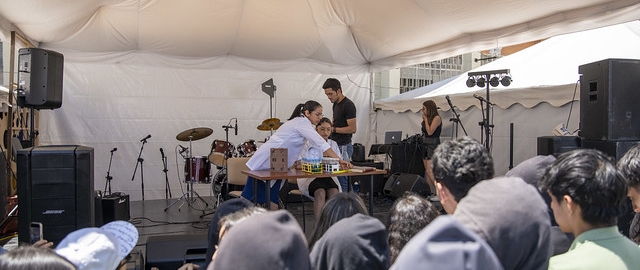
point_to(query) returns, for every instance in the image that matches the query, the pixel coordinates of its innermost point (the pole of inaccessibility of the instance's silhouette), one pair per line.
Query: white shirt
(292, 135)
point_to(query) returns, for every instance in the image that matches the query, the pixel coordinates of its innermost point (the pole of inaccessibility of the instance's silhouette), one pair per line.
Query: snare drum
(218, 150)
(247, 148)
(200, 167)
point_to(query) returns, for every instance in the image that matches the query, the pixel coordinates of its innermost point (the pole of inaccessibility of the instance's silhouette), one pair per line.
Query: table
(267, 176)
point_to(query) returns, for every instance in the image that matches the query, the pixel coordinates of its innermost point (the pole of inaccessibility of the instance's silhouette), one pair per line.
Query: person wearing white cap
(99, 248)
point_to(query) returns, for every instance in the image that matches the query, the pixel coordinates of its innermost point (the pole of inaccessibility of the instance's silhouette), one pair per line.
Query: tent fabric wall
(115, 106)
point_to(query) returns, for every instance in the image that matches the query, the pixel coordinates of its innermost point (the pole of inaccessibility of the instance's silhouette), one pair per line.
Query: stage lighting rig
(488, 78)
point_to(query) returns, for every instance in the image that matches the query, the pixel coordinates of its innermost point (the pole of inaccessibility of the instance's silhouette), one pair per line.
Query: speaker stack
(609, 111)
(55, 187)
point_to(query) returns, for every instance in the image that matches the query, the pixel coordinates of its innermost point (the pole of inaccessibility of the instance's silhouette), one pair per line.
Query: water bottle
(344, 153)
(356, 187)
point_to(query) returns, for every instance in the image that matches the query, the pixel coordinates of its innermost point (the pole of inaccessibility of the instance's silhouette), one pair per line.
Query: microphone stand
(140, 161)
(224, 185)
(108, 183)
(483, 124)
(167, 188)
(456, 120)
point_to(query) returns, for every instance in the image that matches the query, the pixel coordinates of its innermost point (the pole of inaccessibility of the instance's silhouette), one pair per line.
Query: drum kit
(197, 169)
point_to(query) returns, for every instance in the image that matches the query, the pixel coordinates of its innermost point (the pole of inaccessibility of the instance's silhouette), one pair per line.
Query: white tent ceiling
(329, 37)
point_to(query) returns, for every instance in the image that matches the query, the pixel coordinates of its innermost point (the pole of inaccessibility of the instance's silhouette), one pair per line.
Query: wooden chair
(234, 174)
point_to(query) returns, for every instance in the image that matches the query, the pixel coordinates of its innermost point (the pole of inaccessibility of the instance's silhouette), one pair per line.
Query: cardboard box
(279, 159)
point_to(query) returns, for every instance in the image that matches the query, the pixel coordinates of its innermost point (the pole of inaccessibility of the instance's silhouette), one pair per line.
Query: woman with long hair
(431, 129)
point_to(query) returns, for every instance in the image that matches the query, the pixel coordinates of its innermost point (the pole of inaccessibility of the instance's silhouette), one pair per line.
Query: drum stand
(189, 197)
(224, 184)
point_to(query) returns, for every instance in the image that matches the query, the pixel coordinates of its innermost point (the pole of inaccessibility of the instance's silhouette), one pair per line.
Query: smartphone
(35, 230)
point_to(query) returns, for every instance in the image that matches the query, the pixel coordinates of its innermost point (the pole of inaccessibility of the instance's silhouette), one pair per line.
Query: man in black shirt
(344, 120)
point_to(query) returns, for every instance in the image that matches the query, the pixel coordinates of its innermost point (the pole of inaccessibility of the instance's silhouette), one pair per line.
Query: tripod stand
(140, 161)
(191, 195)
(107, 184)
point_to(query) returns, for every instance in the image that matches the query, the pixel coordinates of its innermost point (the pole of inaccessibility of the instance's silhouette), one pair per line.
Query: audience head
(99, 248)
(531, 171)
(586, 182)
(356, 242)
(446, 244)
(457, 166)
(629, 166)
(228, 221)
(28, 257)
(227, 207)
(273, 240)
(408, 215)
(512, 218)
(343, 205)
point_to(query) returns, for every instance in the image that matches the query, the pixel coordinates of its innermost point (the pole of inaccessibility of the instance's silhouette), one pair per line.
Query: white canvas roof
(323, 36)
(545, 72)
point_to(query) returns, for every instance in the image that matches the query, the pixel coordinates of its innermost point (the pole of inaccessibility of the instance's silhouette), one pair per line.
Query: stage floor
(151, 219)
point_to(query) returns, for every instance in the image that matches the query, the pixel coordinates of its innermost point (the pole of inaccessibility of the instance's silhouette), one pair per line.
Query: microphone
(145, 138)
(162, 152)
(448, 100)
(114, 149)
(236, 127)
(482, 99)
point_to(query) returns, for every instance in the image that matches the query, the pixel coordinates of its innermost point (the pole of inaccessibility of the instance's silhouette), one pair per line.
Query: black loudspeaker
(378, 179)
(55, 187)
(609, 94)
(613, 149)
(172, 251)
(115, 207)
(399, 183)
(39, 78)
(407, 158)
(556, 145)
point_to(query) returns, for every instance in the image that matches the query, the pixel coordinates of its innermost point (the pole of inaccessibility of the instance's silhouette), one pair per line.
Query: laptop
(391, 137)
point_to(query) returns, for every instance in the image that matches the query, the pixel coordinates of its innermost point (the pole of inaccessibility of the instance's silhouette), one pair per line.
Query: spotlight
(471, 82)
(506, 80)
(481, 82)
(494, 81)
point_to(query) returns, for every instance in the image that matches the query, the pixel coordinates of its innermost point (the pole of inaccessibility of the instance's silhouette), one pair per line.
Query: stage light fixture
(494, 81)
(481, 82)
(506, 80)
(471, 82)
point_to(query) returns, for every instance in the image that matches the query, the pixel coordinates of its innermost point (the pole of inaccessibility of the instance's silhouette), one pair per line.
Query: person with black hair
(458, 165)
(629, 166)
(30, 257)
(344, 121)
(343, 205)
(587, 196)
(294, 134)
(408, 215)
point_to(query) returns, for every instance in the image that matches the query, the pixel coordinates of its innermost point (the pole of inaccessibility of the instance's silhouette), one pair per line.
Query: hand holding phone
(35, 230)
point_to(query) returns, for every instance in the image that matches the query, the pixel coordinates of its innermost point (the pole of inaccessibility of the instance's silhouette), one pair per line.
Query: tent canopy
(545, 72)
(327, 37)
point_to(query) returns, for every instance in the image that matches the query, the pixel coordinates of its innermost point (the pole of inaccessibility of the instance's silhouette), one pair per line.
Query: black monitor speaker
(39, 78)
(55, 188)
(609, 94)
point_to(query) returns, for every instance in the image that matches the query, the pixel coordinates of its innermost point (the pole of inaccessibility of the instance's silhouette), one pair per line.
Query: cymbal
(194, 134)
(270, 126)
(271, 120)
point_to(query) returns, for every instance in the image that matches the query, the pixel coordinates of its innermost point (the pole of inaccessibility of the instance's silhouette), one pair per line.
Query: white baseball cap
(99, 248)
